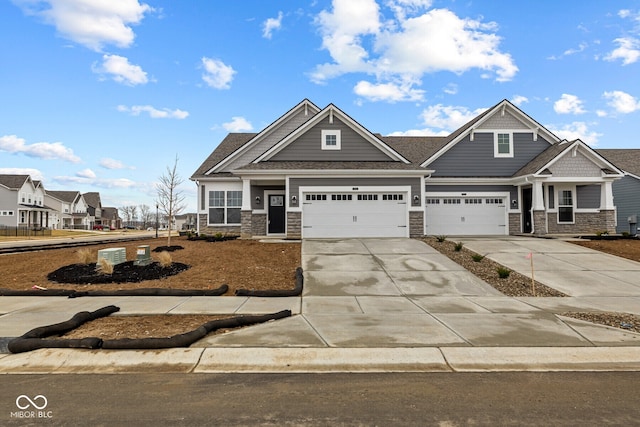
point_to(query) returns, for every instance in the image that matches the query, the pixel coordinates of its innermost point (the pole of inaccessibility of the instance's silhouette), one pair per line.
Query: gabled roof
(305, 105)
(541, 163)
(13, 182)
(229, 145)
(626, 159)
(110, 213)
(64, 196)
(92, 198)
(331, 111)
(500, 108)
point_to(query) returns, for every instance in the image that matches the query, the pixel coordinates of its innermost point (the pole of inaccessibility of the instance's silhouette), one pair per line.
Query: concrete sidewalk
(380, 305)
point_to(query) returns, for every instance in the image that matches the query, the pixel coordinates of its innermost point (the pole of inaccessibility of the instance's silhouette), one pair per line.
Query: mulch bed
(125, 272)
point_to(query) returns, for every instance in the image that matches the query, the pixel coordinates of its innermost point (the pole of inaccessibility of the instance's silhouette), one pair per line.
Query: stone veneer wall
(539, 223)
(416, 223)
(294, 225)
(213, 229)
(259, 224)
(514, 223)
(604, 220)
(245, 226)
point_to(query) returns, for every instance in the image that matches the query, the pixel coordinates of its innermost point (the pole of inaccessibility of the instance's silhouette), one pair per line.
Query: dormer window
(331, 139)
(503, 144)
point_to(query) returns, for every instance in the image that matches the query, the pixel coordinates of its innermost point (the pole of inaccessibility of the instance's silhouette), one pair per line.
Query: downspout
(198, 204)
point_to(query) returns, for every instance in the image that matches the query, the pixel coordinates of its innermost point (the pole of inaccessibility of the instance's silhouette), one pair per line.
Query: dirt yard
(626, 248)
(238, 263)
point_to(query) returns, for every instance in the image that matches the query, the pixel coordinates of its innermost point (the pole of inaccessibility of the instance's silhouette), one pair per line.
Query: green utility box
(143, 255)
(113, 255)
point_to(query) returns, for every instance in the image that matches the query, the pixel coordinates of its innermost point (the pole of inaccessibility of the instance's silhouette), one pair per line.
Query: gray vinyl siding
(308, 146)
(626, 197)
(588, 196)
(513, 191)
(269, 140)
(475, 158)
(258, 191)
(296, 183)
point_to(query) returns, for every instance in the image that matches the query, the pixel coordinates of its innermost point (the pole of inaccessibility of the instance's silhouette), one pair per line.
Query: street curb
(323, 360)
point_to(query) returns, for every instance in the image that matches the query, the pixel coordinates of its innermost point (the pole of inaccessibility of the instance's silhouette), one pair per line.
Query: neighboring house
(185, 221)
(626, 192)
(94, 208)
(111, 218)
(318, 173)
(22, 202)
(72, 209)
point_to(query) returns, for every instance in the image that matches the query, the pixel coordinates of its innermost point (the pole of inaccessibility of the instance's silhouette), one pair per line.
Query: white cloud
(601, 113)
(238, 124)
(420, 132)
(43, 150)
(628, 50)
(361, 39)
(121, 70)
(154, 113)
(93, 24)
(270, 25)
(99, 183)
(622, 102)
(390, 92)
(109, 163)
(568, 104)
(34, 173)
(576, 130)
(451, 89)
(448, 117)
(86, 173)
(217, 74)
(518, 100)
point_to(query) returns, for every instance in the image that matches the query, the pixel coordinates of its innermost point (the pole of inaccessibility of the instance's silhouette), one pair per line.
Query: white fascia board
(471, 181)
(331, 109)
(331, 173)
(305, 103)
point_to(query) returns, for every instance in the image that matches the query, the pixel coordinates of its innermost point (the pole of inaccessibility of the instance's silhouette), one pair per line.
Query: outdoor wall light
(258, 199)
(294, 199)
(514, 203)
(416, 198)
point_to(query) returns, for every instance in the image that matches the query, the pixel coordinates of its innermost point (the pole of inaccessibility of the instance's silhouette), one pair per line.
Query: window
(565, 206)
(433, 201)
(451, 201)
(472, 201)
(224, 207)
(392, 197)
(343, 197)
(494, 201)
(503, 144)
(316, 197)
(331, 139)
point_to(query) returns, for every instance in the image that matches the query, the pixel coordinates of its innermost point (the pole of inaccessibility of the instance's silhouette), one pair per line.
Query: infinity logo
(20, 399)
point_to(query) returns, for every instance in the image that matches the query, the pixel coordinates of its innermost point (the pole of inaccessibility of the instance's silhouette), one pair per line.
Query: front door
(276, 214)
(526, 210)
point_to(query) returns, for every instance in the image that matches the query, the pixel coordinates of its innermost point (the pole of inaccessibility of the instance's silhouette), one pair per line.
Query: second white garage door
(329, 215)
(466, 216)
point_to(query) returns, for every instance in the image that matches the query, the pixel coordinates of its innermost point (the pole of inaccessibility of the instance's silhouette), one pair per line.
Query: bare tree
(126, 214)
(145, 215)
(170, 198)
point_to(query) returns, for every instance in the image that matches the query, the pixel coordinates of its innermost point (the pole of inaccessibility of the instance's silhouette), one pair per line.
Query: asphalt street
(523, 399)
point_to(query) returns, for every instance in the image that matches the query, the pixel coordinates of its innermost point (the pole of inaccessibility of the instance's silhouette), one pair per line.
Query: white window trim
(495, 143)
(558, 206)
(225, 207)
(336, 133)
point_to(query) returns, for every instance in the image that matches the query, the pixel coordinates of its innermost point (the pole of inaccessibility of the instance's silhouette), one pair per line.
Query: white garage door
(334, 214)
(466, 216)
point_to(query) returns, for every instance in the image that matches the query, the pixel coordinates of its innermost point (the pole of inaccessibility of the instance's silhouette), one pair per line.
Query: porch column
(539, 212)
(606, 196)
(245, 213)
(538, 196)
(246, 194)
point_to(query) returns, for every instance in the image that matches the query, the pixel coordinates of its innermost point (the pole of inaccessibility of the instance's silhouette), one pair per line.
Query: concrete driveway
(402, 293)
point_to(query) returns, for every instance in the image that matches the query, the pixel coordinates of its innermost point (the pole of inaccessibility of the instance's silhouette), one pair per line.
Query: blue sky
(102, 95)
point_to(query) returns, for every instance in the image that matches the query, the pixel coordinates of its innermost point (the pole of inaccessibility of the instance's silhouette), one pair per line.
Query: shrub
(441, 238)
(503, 273)
(625, 234)
(602, 233)
(104, 267)
(164, 259)
(477, 257)
(458, 246)
(84, 256)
